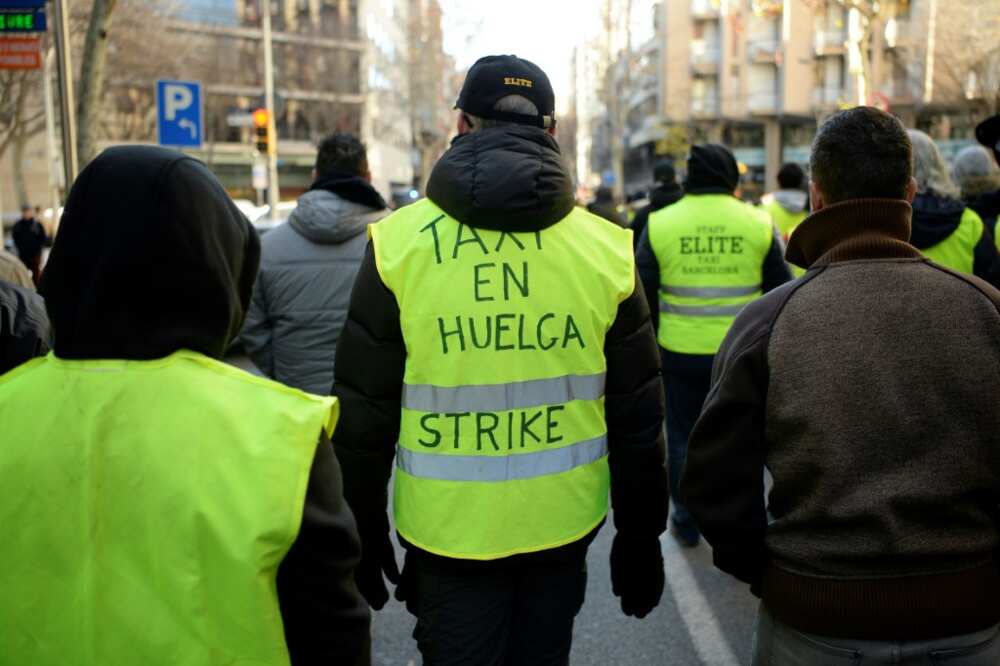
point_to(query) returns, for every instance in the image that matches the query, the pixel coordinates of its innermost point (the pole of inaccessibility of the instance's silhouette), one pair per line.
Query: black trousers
(498, 616)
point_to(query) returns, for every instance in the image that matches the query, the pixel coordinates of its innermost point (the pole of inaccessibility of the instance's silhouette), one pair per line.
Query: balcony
(704, 58)
(830, 42)
(763, 102)
(705, 10)
(826, 98)
(763, 49)
(705, 107)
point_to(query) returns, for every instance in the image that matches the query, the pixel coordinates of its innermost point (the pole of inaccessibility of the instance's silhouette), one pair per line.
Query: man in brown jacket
(868, 389)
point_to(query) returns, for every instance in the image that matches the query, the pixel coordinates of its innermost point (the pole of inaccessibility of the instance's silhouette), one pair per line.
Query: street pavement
(705, 617)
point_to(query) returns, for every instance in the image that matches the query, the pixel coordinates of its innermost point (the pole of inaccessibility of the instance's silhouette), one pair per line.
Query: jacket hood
(711, 170)
(794, 201)
(987, 205)
(510, 178)
(664, 195)
(326, 218)
(934, 219)
(152, 256)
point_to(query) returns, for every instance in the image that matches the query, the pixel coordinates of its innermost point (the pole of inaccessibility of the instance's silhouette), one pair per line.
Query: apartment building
(759, 75)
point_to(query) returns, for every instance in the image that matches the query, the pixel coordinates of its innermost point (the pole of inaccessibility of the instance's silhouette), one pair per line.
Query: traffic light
(262, 131)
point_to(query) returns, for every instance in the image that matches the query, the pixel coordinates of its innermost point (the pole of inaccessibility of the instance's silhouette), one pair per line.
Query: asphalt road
(704, 618)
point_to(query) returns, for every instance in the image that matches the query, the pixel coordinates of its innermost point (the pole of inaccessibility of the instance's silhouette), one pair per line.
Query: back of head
(861, 153)
(663, 172)
(343, 155)
(711, 169)
(975, 172)
(929, 168)
(791, 177)
(152, 256)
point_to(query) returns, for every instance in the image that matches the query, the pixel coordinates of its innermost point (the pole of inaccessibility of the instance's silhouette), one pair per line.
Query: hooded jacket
(868, 389)
(505, 178)
(24, 326)
(987, 206)
(307, 270)
(152, 256)
(935, 218)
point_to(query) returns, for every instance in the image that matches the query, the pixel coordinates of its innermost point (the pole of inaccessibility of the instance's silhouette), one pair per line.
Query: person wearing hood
(944, 228)
(702, 260)
(666, 192)
(308, 267)
(868, 388)
(498, 334)
(604, 206)
(164, 506)
(978, 177)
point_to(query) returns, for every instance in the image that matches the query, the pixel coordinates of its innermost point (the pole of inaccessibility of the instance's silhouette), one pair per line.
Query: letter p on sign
(177, 98)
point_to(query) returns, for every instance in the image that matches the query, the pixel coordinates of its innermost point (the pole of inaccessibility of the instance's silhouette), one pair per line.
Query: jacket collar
(851, 230)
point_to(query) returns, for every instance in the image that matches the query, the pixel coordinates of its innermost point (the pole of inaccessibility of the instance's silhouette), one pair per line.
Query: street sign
(240, 118)
(16, 21)
(179, 114)
(22, 4)
(20, 53)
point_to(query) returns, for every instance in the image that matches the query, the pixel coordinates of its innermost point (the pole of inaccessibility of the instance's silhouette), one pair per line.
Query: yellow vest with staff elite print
(503, 441)
(711, 250)
(147, 507)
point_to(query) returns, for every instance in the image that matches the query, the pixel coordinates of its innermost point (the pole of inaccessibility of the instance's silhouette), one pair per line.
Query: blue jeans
(686, 379)
(777, 644)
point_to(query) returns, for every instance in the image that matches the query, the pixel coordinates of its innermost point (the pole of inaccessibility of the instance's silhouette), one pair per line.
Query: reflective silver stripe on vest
(501, 468)
(712, 292)
(502, 397)
(700, 310)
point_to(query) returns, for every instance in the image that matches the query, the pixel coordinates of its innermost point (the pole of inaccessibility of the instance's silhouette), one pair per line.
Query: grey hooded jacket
(300, 299)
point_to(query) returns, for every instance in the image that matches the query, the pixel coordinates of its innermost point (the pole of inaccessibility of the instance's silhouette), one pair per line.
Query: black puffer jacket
(513, 179)
(24, 326)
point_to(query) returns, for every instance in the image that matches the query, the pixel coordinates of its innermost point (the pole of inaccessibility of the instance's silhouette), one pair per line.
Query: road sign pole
(67, 101)
(50, 134)
(272, 153)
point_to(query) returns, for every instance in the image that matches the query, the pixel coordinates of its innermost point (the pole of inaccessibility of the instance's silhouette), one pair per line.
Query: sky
(542, 31)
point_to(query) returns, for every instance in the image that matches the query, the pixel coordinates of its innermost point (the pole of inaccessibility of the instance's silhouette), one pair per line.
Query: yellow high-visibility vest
(711, 249)
(503, 442)
(147, 506)
(958, 250)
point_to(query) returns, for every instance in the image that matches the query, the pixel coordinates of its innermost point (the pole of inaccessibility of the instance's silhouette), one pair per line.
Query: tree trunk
(95, 50)
(20, 189)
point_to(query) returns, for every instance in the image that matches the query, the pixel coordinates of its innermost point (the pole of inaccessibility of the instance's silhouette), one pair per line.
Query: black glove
(637, 573)
(377, 557)
(406, 590)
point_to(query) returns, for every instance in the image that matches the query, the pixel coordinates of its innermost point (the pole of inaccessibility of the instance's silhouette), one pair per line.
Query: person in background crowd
(30, 238)
(167, 507)
(308, 267)
(988, 134)
(603, 205)
(978, 177)
(789, 204)
(24, 327)
(498, 334)
(868, 389)
(13, 271)
(665, 192)
(944, 229)
(702, 260)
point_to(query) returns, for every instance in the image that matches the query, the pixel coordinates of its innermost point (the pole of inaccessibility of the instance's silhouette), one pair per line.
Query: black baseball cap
(494, 77)
(988, 134)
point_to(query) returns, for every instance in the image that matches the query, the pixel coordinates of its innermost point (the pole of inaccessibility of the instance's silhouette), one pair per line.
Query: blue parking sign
(179, 114)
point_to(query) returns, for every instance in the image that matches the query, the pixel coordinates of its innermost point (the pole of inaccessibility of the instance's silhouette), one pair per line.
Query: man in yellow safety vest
(499, 335)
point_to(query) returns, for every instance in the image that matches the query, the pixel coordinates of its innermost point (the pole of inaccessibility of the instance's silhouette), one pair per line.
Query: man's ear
(464, 126)
(911, 189)
(815, 197)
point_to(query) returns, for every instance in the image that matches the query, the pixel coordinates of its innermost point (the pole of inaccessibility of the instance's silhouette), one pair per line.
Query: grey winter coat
(300, 299)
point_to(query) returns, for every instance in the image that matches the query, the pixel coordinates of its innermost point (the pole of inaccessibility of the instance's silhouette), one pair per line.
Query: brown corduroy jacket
(869, 388)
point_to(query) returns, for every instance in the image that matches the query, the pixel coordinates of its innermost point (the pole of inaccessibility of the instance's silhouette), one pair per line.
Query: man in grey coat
(307, 269)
